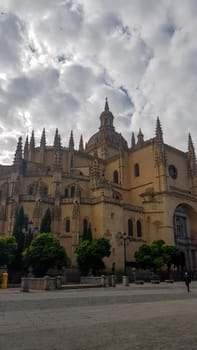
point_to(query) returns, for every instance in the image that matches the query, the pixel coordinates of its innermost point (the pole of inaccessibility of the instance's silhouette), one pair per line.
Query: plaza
(145, 316)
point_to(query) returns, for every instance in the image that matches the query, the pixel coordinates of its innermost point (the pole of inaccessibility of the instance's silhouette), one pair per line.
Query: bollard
(24, 284)
(4, 283)
(46, 283)
(125, 281)
(107, 281)
(58, 282)
(103, 281)
(113, 280)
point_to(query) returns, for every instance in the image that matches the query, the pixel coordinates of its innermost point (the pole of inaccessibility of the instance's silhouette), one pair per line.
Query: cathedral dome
(106, 137)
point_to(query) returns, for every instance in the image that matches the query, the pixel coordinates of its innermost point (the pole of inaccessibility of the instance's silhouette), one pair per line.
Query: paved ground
(151, 317)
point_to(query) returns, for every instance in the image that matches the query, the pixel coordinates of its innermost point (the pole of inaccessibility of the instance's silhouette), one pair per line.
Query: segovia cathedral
(146, 190)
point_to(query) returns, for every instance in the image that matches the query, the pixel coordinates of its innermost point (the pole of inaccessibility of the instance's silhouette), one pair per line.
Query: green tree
(46, 222)
(90, 255)
(8, 248)
(156, 255)
(44, 252)
(172, 255)
(143, 257)
(19, 235)
(19, 225)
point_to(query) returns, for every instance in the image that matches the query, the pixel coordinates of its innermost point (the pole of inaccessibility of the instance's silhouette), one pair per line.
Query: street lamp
(28, 232)
(125, 238)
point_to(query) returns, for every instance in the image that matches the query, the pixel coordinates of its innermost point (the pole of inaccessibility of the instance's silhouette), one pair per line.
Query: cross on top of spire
(106, 105)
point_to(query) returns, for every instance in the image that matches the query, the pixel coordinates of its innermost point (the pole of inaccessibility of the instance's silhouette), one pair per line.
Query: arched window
(67, 225)
(116, 195)
(115, 177)
(136, 170)
(72, 191)
(85, 225)
(130, 227)
(139, 228)
(44, 190)
(31, 190)
(66, 193)
(180, 223)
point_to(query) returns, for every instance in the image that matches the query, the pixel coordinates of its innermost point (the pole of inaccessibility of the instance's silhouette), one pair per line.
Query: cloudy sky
(59, 59)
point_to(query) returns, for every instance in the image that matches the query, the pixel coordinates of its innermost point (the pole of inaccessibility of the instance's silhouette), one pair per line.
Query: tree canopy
(90, 255)
(19, 222)
(156, 255)
(44, 252)
(8, 248)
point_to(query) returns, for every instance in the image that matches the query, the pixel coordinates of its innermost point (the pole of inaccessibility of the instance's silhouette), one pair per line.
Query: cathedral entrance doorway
(185, 234)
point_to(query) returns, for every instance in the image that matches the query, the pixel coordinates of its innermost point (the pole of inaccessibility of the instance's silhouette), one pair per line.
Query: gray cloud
(11, 42)
(60, 59)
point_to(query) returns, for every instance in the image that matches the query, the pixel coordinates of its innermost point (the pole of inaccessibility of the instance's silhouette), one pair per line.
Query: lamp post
(27, 230)
(125, 238)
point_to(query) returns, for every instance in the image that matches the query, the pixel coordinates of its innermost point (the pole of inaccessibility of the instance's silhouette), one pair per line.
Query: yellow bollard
(4, 283)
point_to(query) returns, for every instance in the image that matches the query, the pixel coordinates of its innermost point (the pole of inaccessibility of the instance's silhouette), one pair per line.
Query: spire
(43, 139)
(18, 153)
(81, 147)
(57, 151)
(59, 141)
(106, 105)
(32, 141)
(132, 140)
(160, 156)
(71, 141)
(56, 139)
(159, 132)
(26, 148)
(42, 147)
(192, 157)
(140, 137)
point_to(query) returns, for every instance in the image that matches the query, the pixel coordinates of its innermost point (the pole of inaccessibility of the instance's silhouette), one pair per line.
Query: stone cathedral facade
(147, 190)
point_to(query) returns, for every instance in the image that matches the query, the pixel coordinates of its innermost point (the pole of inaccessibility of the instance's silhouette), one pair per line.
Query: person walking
(187, 279)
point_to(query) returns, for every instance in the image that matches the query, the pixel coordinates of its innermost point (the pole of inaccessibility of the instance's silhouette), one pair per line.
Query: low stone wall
(104, 281)
(91, 280)
(44, 283)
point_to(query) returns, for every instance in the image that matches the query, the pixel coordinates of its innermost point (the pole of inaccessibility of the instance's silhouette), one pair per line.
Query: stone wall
(44, 283)
(91, 280)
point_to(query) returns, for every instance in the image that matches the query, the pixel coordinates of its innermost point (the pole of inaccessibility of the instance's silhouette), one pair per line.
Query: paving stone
(160, 317)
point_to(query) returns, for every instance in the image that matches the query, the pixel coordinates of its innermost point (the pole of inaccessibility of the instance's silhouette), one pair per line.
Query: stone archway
(185, 235)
